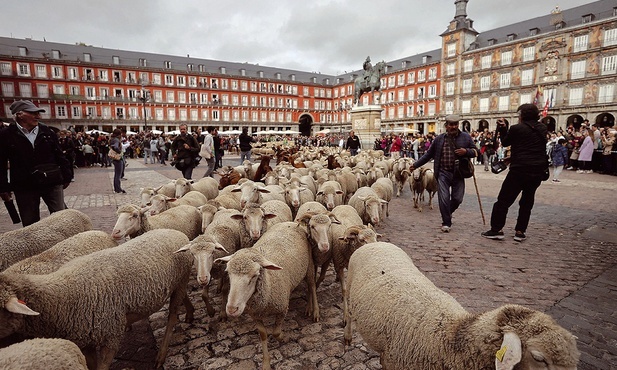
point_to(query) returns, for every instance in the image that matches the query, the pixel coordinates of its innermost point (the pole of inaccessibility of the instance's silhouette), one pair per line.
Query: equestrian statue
(370, 81)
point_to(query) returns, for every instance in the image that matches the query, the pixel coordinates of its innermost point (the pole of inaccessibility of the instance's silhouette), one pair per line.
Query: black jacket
(353, 143)
(245, 142)
(177, 147)
(16, 149)
(528, 146)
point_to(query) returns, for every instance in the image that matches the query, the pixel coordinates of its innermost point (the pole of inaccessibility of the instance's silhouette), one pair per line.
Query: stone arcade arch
(466, 126)
(305, 124)
(482, 124)
(575, 120)
(605, 120)
(550, 123)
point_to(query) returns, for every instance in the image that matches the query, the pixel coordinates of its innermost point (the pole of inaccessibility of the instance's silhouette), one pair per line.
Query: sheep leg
(206, 298)
(347, 317)
(322, 273)
(177, 296)
(277, 332)
(430, 200)
(312, 306)
(105, 355)
(263, 339)
(190, 309)
(90, 354)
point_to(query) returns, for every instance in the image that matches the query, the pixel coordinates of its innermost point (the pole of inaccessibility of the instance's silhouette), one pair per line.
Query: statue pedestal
(366, 123)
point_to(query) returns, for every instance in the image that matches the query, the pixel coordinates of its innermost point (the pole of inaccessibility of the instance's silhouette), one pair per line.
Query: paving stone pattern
(567, 268)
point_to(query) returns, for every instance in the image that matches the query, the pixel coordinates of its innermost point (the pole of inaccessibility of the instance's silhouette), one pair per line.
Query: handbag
(462, 165)
(47, 174)
(498, 166)
(114, 155)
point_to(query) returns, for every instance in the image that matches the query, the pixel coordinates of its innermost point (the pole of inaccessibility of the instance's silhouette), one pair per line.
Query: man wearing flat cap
(38, 167)
(445, 149)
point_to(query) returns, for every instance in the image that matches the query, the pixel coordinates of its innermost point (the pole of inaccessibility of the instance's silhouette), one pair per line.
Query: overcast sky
(327, 36)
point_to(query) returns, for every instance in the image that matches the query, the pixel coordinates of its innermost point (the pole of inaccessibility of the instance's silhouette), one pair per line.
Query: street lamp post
(144, 97)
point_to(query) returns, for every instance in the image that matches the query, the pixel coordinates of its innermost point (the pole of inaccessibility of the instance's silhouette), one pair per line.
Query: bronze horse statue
(361, 86)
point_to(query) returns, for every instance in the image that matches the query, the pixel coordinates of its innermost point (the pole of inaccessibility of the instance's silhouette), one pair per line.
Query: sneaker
(445, 229)
(570, 168)
(495, 235)
(589, 171)
(580, 171)
(519, 236)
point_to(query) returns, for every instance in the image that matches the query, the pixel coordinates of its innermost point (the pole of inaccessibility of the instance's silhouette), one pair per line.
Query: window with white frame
(576, 96)
(41, 71)
(466, 106)
(484, 104)
(181, 96)
(410, 94)
(42, 91)
(91, 112)
(504, 103)
(193, 98)
(391, 81)
(158, 96)
(181, 80)
(58, 89)
(449, 107)
(391, 112)
(170, 97)
(525, 99)
(156, 79)
(485, 83)
(432, 73)
(169, 80)
(550, 96)
(76, 112)
(234, 84)
(61, 111)
(432, 90)
(25, 90)
(467, 84)
(401, 95)
(115, 60)
(171, 114)
(23, 69)
(420, 110)
(450, 69)
(106, 112)
(506, 58)
(431, 109)
(529, 53)
(451, 50)
(104, 92)
(158, 114)
(449, 88)
(8, 89)
(422, 75)
(23, 51)
(487, 61)
(610, 37)
(410, 111)
(421, 92)
(205, 114)
(605, 93)
(133, 113)
(504, 80)
(578, 69)
(400, 112)
(183, 115)
(468, 65)
(609, 64)
(411, 77)
(224, 83)
(526, 77)
(401, 79)
(6, 69)
(263, 116)
(580, 43)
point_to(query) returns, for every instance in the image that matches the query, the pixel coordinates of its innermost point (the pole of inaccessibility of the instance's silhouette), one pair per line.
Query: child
(560, 158)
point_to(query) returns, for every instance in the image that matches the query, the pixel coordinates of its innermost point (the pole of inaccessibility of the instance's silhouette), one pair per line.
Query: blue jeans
(245, 155)
(210, 169)
(353, 151)
(118, 169)
(450, 192)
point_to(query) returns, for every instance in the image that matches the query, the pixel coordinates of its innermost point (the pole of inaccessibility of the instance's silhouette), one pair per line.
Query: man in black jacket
(245, 145)
(353, 143)
(184, 149)
(38, 167)
(528, 164)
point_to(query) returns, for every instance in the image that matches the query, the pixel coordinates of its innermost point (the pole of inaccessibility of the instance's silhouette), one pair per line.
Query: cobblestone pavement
(567, 268)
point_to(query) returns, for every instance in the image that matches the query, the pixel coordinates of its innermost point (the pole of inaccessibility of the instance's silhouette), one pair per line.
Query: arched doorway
(482, 124)
(575, 121)
(305, 124)
(466, 126)
(550, 123)
(605, 120)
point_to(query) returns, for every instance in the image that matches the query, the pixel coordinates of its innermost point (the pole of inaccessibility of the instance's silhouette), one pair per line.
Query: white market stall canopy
(95, 131)
(323, 132)
(229, 132)
(405, 130)
(129, 132)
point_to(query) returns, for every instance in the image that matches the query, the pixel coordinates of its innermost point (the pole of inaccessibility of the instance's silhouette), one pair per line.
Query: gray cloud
(328, 36)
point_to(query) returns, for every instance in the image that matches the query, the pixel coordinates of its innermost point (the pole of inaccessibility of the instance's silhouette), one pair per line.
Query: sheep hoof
(347, 341)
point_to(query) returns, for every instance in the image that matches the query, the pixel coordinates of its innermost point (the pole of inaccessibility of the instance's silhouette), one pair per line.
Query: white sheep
(423, 179)
(330, 194)
(400, 173)
(314, 207)
(208, 211)
(297, 195)
(22, 243)
(43, 354)
(168, 188)
(90, 300)
(262, 278)
(253, 192)
(368, 205)
(229, 199)
(206, 185)
(51, 259)
(256, 219)
(133, 221)
(413, 324)
(384, 188)
(160, 203)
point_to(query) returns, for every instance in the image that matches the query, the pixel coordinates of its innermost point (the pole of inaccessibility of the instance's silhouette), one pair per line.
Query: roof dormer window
(587, 18)
(492, 42)
(511, 37)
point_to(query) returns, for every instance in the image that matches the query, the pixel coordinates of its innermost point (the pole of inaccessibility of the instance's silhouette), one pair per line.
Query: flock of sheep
(260, 232)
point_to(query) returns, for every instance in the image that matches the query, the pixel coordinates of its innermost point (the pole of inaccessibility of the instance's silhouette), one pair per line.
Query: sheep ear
(268, 216)
(218, 245)
(14, 305)
(270, 265)
(510, 352)
(237, 216)
(184, 248)
(223, 259)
